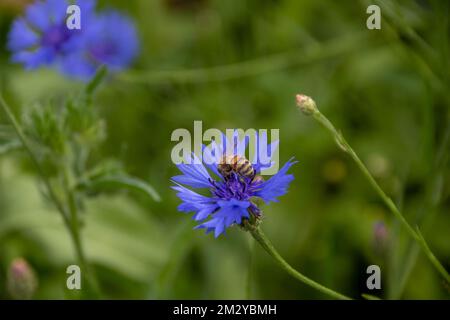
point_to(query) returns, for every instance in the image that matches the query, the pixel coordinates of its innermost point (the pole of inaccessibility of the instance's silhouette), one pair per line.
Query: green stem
(76, 237)
(343, 144)
(251, 254)
(270, 63)
(433, 199)
(267, 245)
(69, 218)
(432, 257)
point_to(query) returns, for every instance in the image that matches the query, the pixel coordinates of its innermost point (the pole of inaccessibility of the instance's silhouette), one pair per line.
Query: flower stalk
(249, 68)
(67, 211)
(261, 238)
(345, 146)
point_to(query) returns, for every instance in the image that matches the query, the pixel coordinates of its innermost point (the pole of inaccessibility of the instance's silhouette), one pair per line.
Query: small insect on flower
(236, 164)
(232, 195)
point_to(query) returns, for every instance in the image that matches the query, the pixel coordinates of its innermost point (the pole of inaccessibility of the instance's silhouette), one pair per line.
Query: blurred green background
(387, 90)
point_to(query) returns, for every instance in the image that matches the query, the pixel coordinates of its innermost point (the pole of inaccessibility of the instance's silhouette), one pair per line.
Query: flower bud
(306, 104)
(380, 237)
(21, 280)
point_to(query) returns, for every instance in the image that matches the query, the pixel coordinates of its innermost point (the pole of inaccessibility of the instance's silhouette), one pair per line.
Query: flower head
(230, 194)
(102, 46)
(41, 37)
(306, 104)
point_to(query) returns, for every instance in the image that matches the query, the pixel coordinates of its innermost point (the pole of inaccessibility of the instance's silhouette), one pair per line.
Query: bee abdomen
(237, 164)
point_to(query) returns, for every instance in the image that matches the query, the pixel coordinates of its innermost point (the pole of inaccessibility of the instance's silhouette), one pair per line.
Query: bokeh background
(239, 64)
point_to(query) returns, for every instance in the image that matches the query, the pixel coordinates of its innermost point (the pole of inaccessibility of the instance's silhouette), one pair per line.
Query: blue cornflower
(230, 198)
(112, 41)
(41, 37)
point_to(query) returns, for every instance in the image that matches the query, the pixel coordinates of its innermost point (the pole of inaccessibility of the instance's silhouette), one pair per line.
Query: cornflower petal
(21, 36)
(277, 185)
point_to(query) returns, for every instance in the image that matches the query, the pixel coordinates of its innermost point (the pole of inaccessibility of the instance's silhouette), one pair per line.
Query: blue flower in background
(41, 38)
(230, 197)
(112, 41)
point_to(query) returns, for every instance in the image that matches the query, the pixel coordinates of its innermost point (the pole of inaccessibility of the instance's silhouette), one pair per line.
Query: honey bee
(237, 164)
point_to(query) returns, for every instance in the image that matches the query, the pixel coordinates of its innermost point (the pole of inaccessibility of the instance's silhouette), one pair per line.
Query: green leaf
(370, 297)
(123, 182)
(10, 145)
(6, 131)
(8, 139)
